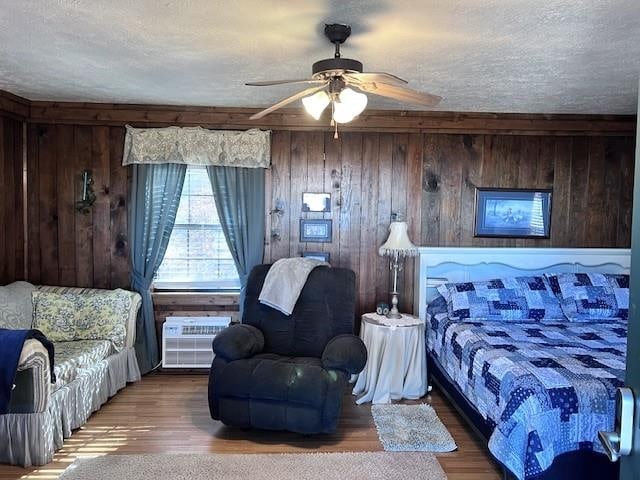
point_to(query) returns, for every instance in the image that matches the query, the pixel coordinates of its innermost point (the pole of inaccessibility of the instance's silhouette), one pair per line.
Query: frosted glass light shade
(357, 102)
(398, 241)
(316, 103)
(341, 113)
(349, 105)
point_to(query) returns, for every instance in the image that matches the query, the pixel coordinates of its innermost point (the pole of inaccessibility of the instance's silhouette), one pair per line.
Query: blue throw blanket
(11, 343)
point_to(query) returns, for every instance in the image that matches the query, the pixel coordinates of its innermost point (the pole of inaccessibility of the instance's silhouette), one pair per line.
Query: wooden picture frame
(513, 213)
(316, 230)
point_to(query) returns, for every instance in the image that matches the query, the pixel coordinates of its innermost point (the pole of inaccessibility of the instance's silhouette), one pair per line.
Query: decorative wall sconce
(88, 195)
(276, 217)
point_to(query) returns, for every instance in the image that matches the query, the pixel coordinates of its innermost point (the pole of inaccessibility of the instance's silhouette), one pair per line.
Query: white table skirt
(396, 365)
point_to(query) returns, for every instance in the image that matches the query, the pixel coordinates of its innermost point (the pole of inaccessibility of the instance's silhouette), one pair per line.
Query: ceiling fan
(341, 83)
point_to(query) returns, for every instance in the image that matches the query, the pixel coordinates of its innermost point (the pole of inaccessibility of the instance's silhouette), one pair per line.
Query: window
(197, 256)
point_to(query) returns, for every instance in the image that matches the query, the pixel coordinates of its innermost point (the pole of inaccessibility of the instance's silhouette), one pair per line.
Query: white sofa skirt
(32, 438)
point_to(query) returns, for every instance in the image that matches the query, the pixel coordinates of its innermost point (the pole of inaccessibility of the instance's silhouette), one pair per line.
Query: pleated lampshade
(398, 241)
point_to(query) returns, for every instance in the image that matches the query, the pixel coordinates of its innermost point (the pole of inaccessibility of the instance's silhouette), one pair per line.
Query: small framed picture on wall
(512, 213)
(315, 230)
(316, 202)
(322, 256)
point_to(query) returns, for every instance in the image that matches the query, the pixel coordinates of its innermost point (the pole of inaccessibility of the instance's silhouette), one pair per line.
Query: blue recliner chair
(280, 372)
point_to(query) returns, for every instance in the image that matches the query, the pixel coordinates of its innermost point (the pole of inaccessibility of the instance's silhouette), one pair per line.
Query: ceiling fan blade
(396, 92)
(288, 100)
(377, 77)
(283, 82)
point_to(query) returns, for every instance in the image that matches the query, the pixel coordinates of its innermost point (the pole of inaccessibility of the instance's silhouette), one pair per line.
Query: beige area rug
(411, 428)
(287, 466)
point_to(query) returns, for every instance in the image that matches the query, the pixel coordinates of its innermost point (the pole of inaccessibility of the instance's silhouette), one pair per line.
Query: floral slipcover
(65, 317)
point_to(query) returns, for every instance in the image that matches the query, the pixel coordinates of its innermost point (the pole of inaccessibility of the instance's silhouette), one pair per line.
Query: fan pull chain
(335, 134)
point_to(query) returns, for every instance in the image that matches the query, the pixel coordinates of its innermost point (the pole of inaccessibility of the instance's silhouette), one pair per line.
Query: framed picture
(315, 230)
(322, 256)
(512, 213)
(316, 202)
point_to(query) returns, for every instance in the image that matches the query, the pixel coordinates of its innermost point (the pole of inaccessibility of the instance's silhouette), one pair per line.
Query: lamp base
(394, 312)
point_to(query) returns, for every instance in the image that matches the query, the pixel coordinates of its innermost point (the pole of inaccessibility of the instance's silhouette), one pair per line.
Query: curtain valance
(197, 146)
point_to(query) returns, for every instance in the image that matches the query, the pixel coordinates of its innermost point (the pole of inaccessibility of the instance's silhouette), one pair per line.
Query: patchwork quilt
(546, 388)
(584, 296)
(515, 298)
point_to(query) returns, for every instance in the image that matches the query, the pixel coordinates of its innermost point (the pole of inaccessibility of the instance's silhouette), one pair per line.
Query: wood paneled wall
(370, 177)
(290, 119)
(591, 179)
(430, 180)
(422, 167)
(427, 179)
(65, 246)
(12, 263)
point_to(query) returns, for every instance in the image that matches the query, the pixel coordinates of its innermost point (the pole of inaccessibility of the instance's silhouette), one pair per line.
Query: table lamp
(396, 248)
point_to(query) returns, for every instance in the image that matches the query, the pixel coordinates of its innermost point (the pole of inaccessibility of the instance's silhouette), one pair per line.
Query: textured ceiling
(551, 56)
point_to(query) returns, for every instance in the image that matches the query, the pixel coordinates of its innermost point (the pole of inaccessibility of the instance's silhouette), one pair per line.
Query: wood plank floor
(169, 414)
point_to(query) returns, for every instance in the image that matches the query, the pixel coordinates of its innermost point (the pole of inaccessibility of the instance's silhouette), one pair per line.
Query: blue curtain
(239, 196)
(155, 196)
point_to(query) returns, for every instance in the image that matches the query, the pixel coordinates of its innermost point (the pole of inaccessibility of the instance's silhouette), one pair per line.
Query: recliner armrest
(238, 341)
(345, 352)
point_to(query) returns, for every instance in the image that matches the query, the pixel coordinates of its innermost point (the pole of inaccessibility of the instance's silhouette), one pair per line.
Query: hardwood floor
(169, 414)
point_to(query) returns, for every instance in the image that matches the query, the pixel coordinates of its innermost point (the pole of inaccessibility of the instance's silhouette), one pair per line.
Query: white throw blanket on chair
(284, 282)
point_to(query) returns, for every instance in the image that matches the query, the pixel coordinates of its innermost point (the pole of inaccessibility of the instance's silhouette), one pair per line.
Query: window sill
(177, 298)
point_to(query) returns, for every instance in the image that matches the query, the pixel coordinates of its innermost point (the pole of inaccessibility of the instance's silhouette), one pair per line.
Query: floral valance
(197, 146)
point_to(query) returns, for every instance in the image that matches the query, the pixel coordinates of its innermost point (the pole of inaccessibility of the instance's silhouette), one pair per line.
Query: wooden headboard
(436, 265)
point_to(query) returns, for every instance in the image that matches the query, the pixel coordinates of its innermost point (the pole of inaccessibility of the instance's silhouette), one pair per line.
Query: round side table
(397, 363)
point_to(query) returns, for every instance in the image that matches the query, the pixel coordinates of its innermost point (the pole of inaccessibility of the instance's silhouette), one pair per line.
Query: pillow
(16, 309)
(591, 296)
(437, 305)
(516, 299)
(65, 317)
(618, 281)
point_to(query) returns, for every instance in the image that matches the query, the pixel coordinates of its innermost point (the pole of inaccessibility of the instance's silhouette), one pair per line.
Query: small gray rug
(288, 466)
(411, 428)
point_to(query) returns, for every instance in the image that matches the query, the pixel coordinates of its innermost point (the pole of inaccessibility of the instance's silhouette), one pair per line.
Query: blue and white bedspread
(546, 388)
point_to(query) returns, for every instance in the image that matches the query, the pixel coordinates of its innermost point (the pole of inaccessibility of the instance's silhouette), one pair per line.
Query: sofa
(87, 373)
(288, 372)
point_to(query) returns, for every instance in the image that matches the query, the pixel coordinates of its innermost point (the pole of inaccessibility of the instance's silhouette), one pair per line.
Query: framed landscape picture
(512, 213)
(312, 230)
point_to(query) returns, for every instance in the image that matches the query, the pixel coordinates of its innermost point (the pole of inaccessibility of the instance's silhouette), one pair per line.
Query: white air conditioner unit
(186, 341)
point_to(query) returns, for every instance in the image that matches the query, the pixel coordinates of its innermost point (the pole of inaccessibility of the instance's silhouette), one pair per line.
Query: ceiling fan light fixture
(356, 102)
(349, 105)
(331, 78)
(341, 113)
(316, 103)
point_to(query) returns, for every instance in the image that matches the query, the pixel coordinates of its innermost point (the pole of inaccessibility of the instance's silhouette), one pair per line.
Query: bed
(538, 392)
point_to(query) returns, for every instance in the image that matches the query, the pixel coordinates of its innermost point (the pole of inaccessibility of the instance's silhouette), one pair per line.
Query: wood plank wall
(590, 179)
(427, 179)
(67, 247)
(423, 167)
(430, 180)
(12, 265)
